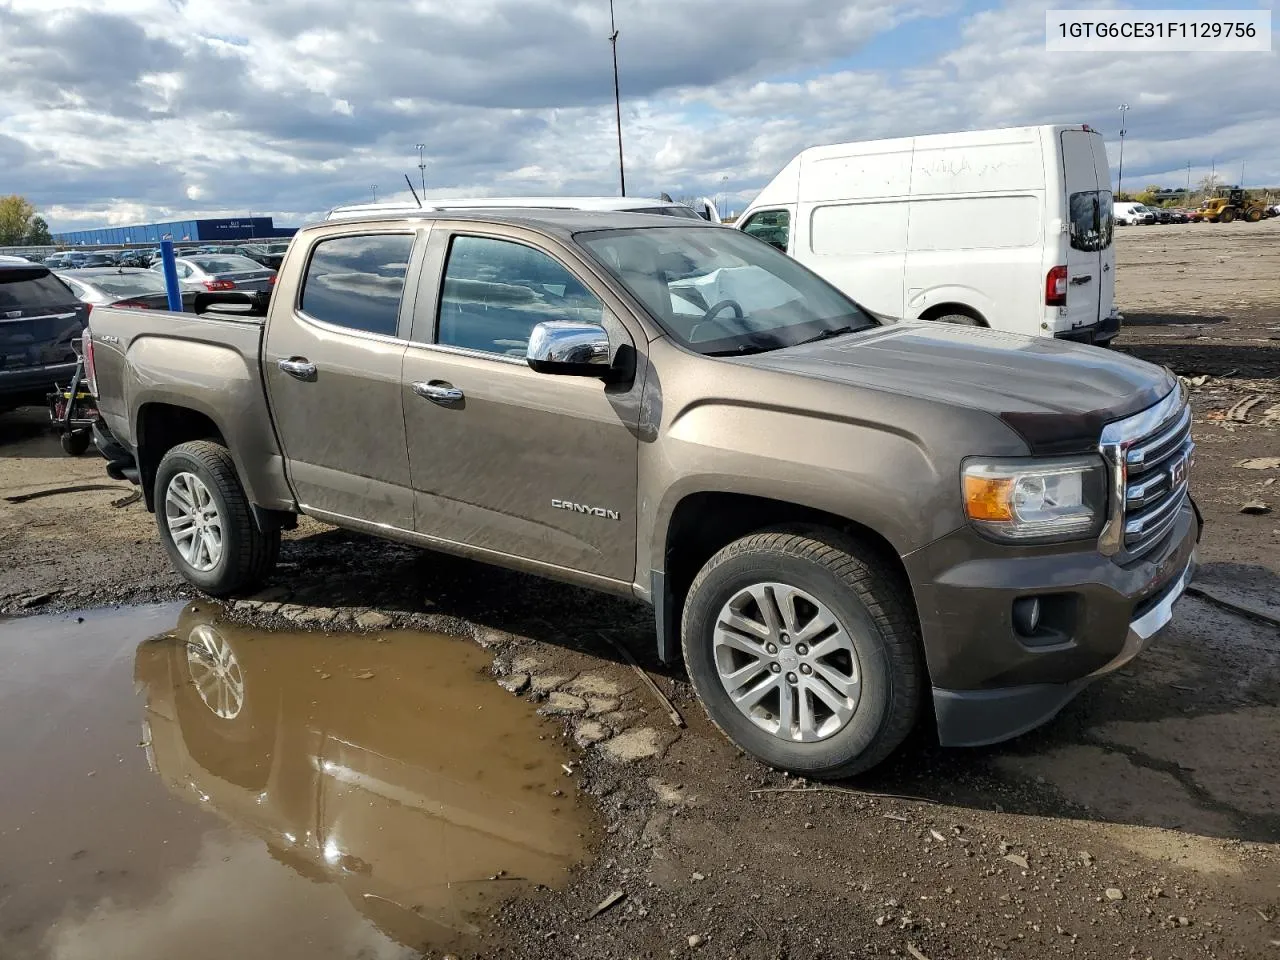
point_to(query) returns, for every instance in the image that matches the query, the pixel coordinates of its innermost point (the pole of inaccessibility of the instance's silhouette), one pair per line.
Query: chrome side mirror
(568, 348)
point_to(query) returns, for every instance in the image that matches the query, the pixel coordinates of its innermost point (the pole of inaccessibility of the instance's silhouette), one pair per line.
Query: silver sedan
(220, 271)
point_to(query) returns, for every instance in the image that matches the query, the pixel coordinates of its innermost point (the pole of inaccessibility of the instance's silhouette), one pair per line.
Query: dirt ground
(1143, 822)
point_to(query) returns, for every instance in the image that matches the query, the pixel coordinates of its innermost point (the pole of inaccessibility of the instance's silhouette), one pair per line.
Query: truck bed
(153, 364)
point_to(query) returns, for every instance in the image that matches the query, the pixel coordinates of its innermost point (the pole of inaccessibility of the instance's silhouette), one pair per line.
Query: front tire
(804, 650)
(205, 521)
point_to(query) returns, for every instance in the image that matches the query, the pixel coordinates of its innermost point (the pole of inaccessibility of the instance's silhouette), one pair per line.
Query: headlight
(1036, 499)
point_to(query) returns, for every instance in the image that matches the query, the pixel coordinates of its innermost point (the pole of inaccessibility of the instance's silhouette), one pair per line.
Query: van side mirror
(570, 349)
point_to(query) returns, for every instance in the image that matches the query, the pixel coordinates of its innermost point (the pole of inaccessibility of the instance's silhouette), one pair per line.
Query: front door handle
(438, 391)
(1083, 278)
(300, 368)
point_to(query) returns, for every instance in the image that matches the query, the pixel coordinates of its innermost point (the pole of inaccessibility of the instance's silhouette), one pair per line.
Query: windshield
(227, 264)
(719, 292)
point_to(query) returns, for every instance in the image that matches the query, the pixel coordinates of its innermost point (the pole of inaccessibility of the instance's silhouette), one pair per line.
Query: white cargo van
(1009, 229)
(1127, 212)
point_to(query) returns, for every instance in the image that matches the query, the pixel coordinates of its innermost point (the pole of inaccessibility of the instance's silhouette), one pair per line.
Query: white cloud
(289, 107)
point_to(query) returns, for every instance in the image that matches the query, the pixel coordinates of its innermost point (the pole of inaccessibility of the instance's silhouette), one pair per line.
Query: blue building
(226, 228)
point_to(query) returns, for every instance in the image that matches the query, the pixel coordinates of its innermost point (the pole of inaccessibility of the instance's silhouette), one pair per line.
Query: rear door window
(357, 282)
(21, 288)
(1092, 224)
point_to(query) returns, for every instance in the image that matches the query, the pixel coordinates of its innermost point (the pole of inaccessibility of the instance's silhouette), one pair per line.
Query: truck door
(331, 361)
(1083, 257)
(504, 459)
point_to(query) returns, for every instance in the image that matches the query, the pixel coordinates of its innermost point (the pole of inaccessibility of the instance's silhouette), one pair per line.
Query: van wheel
(205, 522)
(804, 651)
(963, 319)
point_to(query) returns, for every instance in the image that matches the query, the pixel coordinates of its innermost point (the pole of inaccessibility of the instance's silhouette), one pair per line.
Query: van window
(771, 226)
(1091, 219)
(356, 282)
(975, 223)
(858, 228)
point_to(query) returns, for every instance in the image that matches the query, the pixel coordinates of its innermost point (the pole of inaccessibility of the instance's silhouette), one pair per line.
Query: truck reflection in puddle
(393, 768)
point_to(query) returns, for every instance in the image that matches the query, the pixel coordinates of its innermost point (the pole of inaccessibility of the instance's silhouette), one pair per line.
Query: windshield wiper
(833, 332)
(740, 351)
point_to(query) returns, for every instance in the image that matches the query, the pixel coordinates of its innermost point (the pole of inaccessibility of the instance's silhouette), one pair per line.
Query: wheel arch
(950, 307)
(159, 427)
(704, 521)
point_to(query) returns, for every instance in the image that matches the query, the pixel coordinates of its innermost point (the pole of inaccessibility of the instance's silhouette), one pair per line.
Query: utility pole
(617, 100)
(1124, 107)
(1187, 197)
(1241, 174)
(422, 168)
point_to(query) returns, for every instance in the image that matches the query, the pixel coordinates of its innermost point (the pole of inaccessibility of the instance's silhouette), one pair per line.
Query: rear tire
(874, 643)
(205, 522)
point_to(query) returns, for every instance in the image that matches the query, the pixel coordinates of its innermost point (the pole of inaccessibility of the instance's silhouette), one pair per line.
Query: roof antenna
(413, 191)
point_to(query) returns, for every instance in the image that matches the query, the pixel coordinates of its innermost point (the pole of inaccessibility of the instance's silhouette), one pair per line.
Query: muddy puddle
(176, 786)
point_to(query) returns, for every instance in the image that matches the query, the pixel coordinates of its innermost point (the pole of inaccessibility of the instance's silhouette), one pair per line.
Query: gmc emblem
(1178, 474)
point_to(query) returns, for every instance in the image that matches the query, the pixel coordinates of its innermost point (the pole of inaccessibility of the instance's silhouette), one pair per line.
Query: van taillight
(1055, 287)
(86, 350)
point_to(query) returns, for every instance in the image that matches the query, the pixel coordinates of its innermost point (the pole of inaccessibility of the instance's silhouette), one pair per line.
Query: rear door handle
(438, 391)
(300, 368)
(1085, 278)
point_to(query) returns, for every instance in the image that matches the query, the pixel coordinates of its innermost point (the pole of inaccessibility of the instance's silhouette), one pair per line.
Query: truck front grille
(1149, 456)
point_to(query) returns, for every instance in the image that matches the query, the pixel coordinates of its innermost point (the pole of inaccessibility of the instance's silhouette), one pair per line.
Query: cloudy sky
(127, 111)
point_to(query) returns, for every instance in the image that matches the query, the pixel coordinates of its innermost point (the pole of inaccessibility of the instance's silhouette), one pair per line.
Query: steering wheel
(712, 311)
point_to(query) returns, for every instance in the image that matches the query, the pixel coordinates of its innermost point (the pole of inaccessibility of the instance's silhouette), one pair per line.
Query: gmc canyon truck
(836, 520)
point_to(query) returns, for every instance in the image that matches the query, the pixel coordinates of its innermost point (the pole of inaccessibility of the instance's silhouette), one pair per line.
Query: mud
(264, 794)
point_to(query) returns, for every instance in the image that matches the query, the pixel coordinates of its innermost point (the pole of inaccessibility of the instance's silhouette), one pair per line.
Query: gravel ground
(1142, 822)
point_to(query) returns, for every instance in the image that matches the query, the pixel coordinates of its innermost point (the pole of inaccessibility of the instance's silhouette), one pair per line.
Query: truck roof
(564, 222)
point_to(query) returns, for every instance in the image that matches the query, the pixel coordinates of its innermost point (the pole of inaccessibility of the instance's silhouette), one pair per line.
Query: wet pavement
(177, 786)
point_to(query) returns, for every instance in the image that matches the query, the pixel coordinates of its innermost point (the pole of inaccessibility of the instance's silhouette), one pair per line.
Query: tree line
(20, 225)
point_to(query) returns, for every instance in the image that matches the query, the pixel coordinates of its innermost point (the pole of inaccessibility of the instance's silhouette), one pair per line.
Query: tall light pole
(1241, 174)
(1123, 108)
(617, 100)
(1187, 197)
(422, 168)
(374, 188)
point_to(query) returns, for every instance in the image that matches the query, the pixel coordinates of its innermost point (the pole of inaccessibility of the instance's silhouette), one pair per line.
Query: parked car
(834, 518)
(1127, 213)
(228, 271)
(93, 260)
(269, 255)
(122, 287)
(40, 318)
(954, 227)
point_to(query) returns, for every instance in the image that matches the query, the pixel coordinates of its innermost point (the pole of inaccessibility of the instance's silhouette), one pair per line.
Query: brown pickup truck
(835, 519)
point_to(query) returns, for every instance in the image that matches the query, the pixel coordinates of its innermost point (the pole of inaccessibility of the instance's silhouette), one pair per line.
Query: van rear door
(1084, 240)
(1106, 228)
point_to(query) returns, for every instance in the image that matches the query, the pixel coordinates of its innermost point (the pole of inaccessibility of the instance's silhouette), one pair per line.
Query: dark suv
(39, 319)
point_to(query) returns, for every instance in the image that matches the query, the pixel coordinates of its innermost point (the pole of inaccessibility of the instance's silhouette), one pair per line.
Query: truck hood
(1056, 395)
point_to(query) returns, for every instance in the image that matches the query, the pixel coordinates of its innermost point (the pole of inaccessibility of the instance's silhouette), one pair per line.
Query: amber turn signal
(988, 498)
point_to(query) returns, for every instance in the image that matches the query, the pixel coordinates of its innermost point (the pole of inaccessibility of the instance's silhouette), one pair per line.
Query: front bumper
(989, 682)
